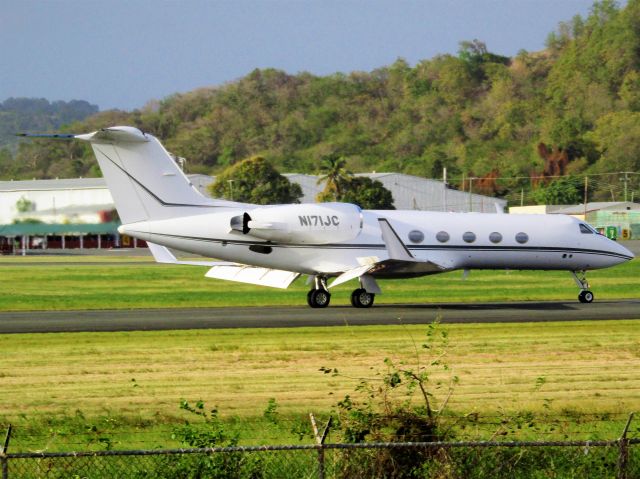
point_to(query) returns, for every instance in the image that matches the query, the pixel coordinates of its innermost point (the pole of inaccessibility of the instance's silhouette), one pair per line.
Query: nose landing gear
(585, 295)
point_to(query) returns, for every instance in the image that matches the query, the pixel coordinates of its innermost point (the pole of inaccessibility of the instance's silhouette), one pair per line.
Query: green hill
(37, 114)
(573, 108)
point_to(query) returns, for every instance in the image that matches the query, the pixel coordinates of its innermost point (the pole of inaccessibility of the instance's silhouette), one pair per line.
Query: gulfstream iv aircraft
(273, 245)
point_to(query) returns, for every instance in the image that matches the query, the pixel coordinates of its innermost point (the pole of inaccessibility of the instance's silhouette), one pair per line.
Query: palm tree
(335, 175)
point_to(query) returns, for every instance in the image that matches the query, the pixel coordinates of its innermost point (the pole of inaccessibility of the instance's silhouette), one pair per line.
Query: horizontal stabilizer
(117, 134)
(127, 134)
(54, 136)
(274, 278)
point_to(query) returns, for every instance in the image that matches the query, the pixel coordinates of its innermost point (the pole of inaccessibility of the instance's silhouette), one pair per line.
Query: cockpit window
(584, 229)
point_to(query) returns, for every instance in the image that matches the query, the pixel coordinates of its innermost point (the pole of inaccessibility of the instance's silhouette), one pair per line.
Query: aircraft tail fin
(144, 179)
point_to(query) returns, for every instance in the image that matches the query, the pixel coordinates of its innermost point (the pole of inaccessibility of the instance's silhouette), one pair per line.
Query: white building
(616, 219)
(411, 193)
(77, 200)
(88, 200)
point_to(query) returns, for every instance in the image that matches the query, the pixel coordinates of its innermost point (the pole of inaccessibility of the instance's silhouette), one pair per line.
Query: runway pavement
(286, 317)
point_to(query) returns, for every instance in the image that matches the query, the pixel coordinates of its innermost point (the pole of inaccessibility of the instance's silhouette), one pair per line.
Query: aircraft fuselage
(453, 240)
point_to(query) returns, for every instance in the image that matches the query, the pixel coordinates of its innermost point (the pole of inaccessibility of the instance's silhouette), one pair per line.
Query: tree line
(571, 109)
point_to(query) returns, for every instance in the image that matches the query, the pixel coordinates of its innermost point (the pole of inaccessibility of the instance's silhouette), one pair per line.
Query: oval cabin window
(469, 237)
(495, 237)
(442, 236)
(522, 238)
(416, 236)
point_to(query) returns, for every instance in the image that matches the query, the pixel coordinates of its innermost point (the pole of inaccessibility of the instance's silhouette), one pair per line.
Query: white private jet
(273, 245)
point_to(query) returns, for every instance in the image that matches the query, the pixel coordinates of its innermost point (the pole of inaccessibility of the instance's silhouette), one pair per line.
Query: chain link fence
(442, 460)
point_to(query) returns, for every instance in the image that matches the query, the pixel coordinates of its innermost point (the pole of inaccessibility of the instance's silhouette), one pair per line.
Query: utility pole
(471, 178)
(444, 189)
(625, 180)
(586, 190)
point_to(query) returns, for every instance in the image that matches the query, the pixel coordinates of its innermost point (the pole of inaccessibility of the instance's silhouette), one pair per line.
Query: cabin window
(469, 237)
(416, 236)
(442, 236)
(584, 229)
(495, 237)
(522, 238)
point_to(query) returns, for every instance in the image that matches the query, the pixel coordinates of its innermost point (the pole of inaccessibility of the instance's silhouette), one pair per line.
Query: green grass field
(36, 283)
(131, 383)
(69, 390)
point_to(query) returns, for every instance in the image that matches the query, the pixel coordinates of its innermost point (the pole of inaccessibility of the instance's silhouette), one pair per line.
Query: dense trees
(562, 191)
(476, 113)
(255, 180)
(367, 194)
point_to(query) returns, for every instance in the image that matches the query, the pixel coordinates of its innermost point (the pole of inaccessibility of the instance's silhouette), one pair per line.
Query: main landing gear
(585, 295)
(361, 299)
(319, 296)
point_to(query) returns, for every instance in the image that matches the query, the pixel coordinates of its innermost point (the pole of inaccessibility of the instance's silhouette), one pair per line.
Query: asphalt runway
(287, 317)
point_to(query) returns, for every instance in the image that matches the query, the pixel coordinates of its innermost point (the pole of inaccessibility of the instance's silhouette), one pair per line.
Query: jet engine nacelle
(320, 223)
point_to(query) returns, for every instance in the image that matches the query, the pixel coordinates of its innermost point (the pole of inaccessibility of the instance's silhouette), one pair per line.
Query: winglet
(395, 246)
(161, 253)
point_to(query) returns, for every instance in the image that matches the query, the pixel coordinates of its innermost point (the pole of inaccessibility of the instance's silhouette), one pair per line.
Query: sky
(124, 53)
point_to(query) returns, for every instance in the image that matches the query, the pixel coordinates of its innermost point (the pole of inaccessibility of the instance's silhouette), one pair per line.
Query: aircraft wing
(162, 255)
(242, 273)
(400, 262)
(275, 278)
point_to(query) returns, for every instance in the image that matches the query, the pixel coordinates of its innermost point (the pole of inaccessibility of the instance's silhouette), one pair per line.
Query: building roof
(57, 184)
(43, 229)
(409, 192)
(198, 180)
(598, 206)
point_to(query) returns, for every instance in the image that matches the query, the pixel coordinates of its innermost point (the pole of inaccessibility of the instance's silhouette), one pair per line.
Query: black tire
(361, 299)
(318, 298)
(585, 296)
(309, 294)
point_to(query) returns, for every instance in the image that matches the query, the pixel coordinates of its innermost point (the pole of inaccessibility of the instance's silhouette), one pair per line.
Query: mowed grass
(135, 380)
(44, 283)
(129, 385)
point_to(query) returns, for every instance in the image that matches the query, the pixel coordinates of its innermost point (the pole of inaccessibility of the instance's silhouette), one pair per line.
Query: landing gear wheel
(585, 296)
(361, 299)
(309, 297)
(318, 298)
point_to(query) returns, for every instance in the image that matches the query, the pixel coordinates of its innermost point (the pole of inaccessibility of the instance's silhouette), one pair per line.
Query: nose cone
(621, 252)
(625, 251)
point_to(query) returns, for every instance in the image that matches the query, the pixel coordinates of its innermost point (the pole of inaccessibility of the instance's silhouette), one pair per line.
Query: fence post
(623, 457)
(320, 441)
(3, 454)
